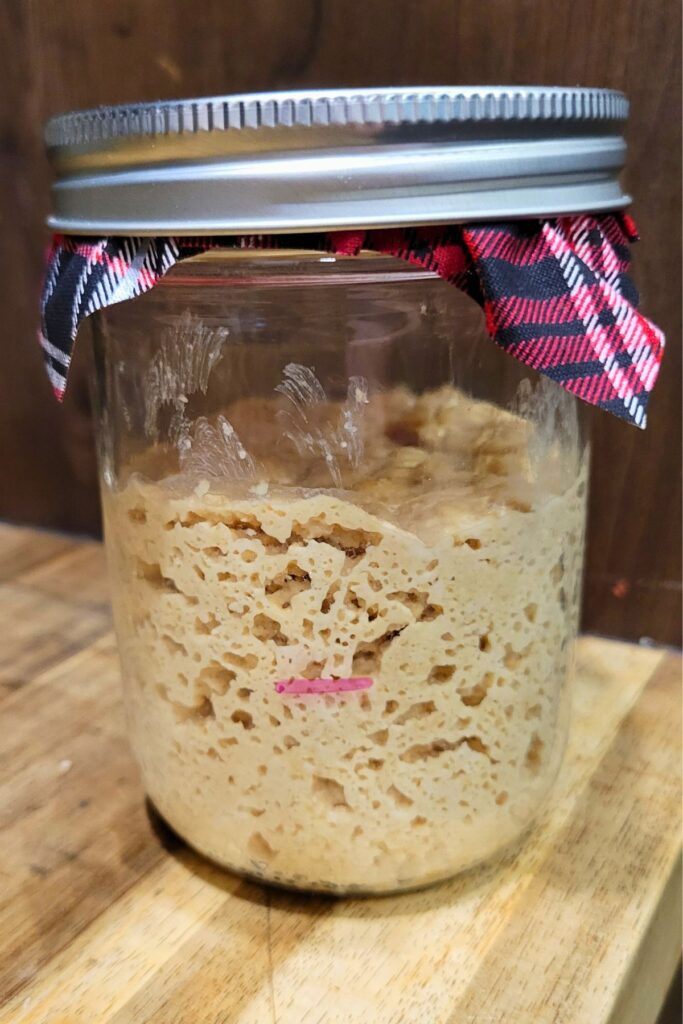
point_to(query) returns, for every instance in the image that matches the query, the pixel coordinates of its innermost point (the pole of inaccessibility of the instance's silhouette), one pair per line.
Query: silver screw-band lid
(334, 159)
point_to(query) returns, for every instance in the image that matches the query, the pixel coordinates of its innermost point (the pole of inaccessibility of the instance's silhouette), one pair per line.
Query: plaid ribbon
(556, 293)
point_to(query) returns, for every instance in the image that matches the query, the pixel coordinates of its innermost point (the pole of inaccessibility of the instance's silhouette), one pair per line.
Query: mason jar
(345, 530)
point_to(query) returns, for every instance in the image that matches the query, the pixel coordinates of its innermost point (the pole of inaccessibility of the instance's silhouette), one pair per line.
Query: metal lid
(331, 159)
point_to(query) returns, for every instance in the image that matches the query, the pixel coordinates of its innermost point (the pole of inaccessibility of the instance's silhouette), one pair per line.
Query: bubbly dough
(442, 565)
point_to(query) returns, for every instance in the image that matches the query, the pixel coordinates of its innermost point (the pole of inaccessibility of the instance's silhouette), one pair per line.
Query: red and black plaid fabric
(556, 293)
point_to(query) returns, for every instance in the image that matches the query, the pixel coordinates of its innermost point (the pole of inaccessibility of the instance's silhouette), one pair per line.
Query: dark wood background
(60, 54)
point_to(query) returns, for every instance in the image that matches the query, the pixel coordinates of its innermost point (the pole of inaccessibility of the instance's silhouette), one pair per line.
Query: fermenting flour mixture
(345, 631)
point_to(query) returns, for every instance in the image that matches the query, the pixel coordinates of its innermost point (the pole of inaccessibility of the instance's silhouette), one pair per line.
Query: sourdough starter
(441, 563)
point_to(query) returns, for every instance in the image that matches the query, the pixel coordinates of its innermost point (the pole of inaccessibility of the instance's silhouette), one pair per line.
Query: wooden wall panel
(59, 54)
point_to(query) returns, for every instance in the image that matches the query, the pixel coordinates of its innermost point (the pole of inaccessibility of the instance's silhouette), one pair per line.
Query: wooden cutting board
(106, 918)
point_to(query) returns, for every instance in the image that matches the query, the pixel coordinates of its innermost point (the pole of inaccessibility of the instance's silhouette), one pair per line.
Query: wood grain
(53, 601)
(59, 54)
(105, 916)
(21, 549)
(656, 963)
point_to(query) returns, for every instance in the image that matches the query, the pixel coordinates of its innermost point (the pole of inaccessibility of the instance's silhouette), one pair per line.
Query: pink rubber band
(323, 685)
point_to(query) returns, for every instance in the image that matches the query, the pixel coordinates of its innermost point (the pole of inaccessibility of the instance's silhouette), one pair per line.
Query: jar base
(293, 885)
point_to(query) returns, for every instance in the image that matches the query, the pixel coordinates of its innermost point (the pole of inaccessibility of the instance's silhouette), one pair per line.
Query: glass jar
(345, 536)
(345, 529)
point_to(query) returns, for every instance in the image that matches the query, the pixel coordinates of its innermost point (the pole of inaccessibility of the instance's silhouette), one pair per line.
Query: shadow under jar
(345, 536)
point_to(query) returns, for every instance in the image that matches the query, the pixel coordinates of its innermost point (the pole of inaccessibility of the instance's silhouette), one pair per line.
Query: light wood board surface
(106, 918)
